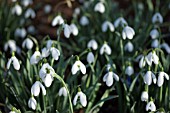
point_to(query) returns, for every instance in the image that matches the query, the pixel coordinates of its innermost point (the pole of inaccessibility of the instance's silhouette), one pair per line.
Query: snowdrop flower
(142, 62)
(84, 21)
(90, 58)
(120, 22)
(27, 43)
(129, 71)
(47, 8)
(150, 106)
(152, 57)
(45, 52)
(20, 32)
(154, 33)
(12, 112)
(161, 78)
(26, 2)
(46, 74)
(14, 61)
(105, 49)
(30, 13)
(76, 12)
(155, 43)
(17, 10)
(144, 96)
(35, 58)
(148, 78)
(58, 20)
(107, 25)
(108, 67)
(78, 65)
(35, 89)
(31, 29)
(99, 7)
(128, 32)
(55, 53)
(10, 44)
(157, 18)
(108, 78)
(92, 44)
(62, 91)
(166, 47)
(74, 29)
(83, 99)
(49, 44)
(67, 31)
(32, 103)
(129, 47)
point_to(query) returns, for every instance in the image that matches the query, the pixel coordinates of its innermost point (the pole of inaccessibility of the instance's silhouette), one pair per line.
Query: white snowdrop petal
(129, 70)
(32, 103)
(160, 79)
(58, 20)
(109, 79)
(74, 29)
(129, 47)
(157, 18)
(166, 76)
(45, 52)
(129, 32)
(16, 63)
(154, 78)
(75, 99)
(148, 59)
(116, 77)
(148, 78)
(35, 58)
(144, 96)
(105, 77)
(155, 58)
(64, 92)
(120, 22)
(92, 44)
(75, 68)
(55, 53)
(155, 43)
(84, 21)
(48, 80)
(43, 88)
(67, 31)
(9, 63)
(154, 34)
(35, 89)
(83, 100)
(90, 57)
(99, 7)
(82, 68)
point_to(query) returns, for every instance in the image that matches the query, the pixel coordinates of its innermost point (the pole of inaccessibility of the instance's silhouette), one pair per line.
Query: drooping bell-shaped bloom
(107, 25)
(157, 18)
(108, 78)
(17, 9)
(27, 43)
(152, 57)
(49, 44)
(35, 58)
(78, 65)
(142, 62)
(92, 44)
(74, 29)
(11, 44)
(67, 31)
(120, 22)
(20, 32)
(30, 13)
(15, 63)
(155, 43)
(144, 96)
(32, 103)
(62, 91)
(84, 21)
(129, 71)
(45, 52)
(58, 20)
(35, 89)
(26, 2)
(12, 112)
(150, 106)
(46, 74)
(83, 99)
(154, 33)
(128, 32)
(129, 47)
(55, 53)
(161, 78)
(148, 78)
(105, 49)
(166, 47)
(99, 7)
(90, 57)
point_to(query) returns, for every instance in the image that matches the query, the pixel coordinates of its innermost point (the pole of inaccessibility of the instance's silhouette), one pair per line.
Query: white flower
(78, 65)
(105, 49)
(129, 47)
(152, 57)
(166, 47)
(84, 21)
(17, 10)
(157, 18)
(155, 43)
(129, 70)
(49, 44)
(67, 31)
(26, 2)
(154, 33)
(62, 91)
(150, 106)
(108, 78)
(120, 22)
(144, 96)
(46, 74)
(128, 32)
(35, 58)
(99, 7)
(90, 58)
(107, 25)
(45, 52)
(108, 67)
(83, 99)
(47, 8)
(32, 103)
(58, 20)
(161, 78)
(27, 43)
(20, 32)
(148, 78)
(142, 62)
(12, 112)
(15, 63)
(35, 89)
(10, 44)
(92, 44)
(76, 12)
(74, 29)
(30, 13)
(55, 53)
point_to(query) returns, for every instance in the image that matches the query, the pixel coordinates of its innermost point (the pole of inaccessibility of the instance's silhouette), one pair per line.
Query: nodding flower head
(28, 43)
(84, 21)
(99, 7)
(35, 58)
(58, 20)
(105, 49)
(108, 78)
(157, 18)
(144, 96)
(14, 61)
(78, 65)
(35, 89)
(128, 32)
(32, 103)
(62, 91)
(120, 22)
(148, 78)
(90, 57)
(83, 99)
(161, 78)
(92, 44)
(150, 106)
(17, 9)
(107, 25)
(154, 33)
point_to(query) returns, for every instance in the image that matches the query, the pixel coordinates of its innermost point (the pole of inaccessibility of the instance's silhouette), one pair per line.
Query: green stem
(60, 79)
(122, 55)
(160, 95)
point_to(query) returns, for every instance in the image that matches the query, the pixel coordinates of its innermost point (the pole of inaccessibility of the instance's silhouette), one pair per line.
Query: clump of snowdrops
(103, 54)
